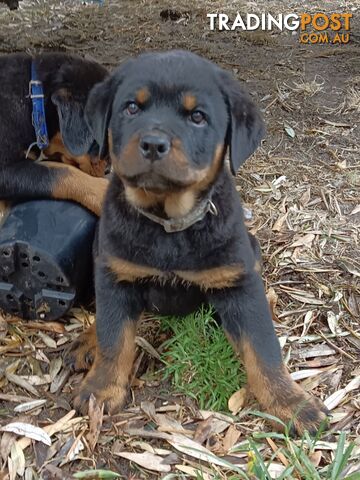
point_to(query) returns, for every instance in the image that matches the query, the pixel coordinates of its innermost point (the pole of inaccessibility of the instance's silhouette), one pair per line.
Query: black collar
(195, 215)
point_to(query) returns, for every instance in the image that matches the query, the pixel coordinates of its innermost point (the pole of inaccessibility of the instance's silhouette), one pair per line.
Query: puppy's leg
(25, 180)
(247, 322)
(118, 308)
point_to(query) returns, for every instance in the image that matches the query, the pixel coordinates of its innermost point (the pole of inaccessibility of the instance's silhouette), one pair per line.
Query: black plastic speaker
(45, 258)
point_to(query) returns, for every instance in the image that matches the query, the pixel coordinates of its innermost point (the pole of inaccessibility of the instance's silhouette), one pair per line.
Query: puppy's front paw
(81, 353)
(112, 395)
(303, 412)
(309, 414)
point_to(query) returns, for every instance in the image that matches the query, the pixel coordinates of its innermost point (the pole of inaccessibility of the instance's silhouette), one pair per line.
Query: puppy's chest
(218, 277)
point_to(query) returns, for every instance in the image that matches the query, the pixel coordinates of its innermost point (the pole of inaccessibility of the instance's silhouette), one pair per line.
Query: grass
(296, 459)
(201, 364)
(200, 361)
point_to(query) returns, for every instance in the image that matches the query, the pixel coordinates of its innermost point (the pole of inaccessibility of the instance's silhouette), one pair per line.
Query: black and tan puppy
(172, 234)
(67, 81)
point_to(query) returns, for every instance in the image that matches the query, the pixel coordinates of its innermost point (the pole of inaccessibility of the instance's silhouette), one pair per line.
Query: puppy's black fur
(12, 4)
(67, 81)
(168, 119)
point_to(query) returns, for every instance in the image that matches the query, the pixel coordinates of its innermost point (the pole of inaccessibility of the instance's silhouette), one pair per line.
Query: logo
(313, 28)
(325, 28)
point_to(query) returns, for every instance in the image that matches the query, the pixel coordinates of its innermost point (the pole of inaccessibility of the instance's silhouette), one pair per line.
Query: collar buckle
(35, 83)
(212, 208)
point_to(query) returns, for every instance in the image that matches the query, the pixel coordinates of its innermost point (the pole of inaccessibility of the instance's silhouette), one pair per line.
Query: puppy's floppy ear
(246, 127)
(98, 113)
(75, 132)
(98, 108)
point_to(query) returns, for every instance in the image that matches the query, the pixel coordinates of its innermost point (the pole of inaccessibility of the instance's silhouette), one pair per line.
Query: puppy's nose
(154, 146)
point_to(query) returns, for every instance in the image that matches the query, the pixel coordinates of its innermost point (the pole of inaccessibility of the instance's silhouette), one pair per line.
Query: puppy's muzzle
(155, 145)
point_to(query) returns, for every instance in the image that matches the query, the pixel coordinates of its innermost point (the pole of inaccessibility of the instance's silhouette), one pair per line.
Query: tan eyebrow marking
(142, 95)
(189, 101)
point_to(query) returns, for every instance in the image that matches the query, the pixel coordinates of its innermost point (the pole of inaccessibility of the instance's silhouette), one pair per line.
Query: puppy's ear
(98, 112)
(75, 132)
(246, 127)
(98, 108)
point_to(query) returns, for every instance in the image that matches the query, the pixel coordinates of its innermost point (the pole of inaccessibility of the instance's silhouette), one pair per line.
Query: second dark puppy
(66, 81)
(172, 234)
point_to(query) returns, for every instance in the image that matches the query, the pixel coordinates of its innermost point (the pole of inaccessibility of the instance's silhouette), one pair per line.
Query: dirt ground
(301, 190)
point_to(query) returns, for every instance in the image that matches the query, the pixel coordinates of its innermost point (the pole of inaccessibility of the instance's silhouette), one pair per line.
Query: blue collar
(36, 94)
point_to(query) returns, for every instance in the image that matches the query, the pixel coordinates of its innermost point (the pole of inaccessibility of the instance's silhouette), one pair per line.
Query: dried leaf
(149, 409)
(333, 322)
(236, 401)
(301, 374)
(308, 299)
(76, 447)
(337, 397)
(321, 350)
(168, 424)
(145, 345)
(308, 319)
(350, 267)
(289, 130)
(194, 449)
(208, 427)
(231, 437)
(6, 443)
(305, 197)
(55, 367)
(96, 414)
(315, 458)
(21, 382)
(355, 210)
(147, 460)
(27, 430)
(12, 469)
(272, 298)
(94, 474)
(194, 472)
(220, 416)
(277, 451)
(55, 327)
(18, 459)
(278, 225)
(49, 342)
(304, 240)
(59, 381)
(3, 327)
(61, 425)
(37, 380)
(26, 407)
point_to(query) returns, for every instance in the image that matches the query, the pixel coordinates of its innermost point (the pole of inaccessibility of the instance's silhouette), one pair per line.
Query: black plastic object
(45, 258)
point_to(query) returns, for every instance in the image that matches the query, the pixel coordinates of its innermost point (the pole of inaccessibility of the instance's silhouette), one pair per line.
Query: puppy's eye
(132, 109)
(198, 117)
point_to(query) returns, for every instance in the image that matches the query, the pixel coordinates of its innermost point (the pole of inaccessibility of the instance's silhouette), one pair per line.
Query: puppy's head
(167, 119)
(75, 143)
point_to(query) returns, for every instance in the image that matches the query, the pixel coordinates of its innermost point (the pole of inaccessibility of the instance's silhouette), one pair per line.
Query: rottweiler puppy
(172, 233)
(67, 81)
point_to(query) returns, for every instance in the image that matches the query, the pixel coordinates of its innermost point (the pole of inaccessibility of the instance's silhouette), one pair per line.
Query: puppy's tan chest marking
(209, 279)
